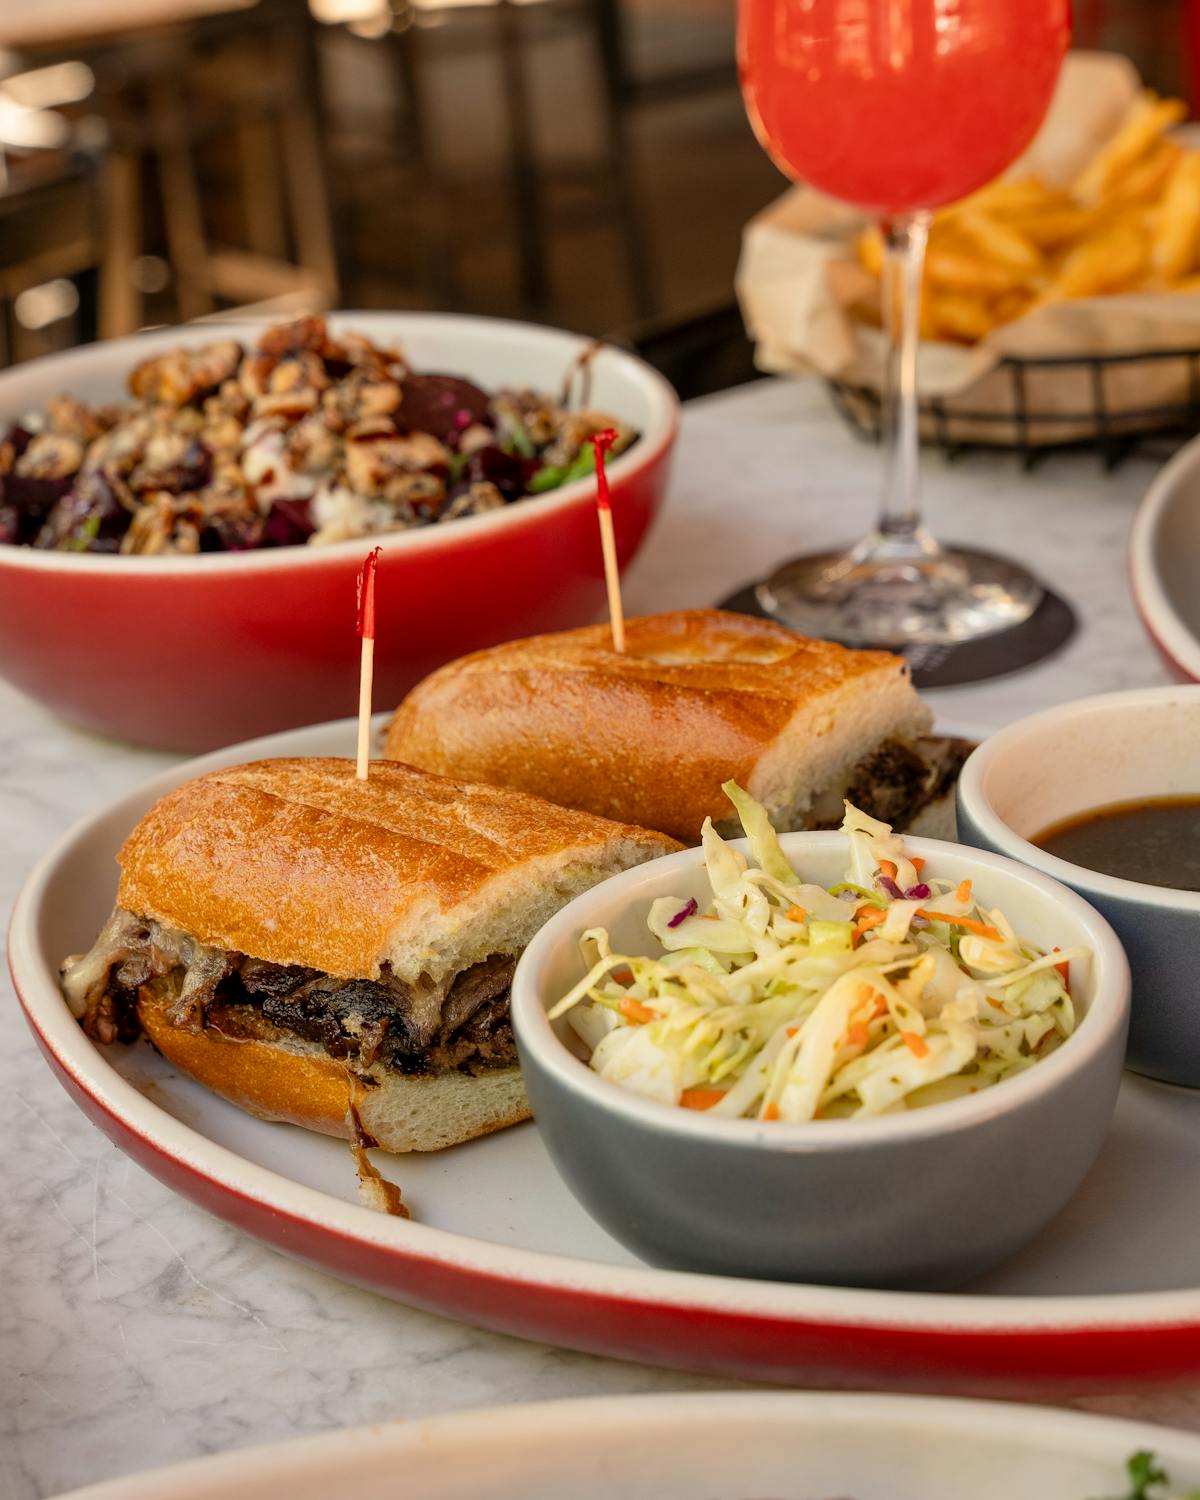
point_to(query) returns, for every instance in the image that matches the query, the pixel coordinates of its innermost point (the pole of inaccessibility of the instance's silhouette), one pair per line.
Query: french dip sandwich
(698, 697)
(337, 953)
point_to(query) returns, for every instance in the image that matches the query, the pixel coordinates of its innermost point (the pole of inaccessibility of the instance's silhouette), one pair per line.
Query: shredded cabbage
(783, 1000)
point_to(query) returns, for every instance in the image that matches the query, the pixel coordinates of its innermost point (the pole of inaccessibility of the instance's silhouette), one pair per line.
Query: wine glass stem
(899, 533)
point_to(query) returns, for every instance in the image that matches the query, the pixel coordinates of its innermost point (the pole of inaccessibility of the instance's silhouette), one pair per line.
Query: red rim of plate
(730, 1326)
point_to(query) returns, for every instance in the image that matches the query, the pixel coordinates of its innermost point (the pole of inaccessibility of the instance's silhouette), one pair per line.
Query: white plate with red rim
(1108, 1297)
(726, 1446)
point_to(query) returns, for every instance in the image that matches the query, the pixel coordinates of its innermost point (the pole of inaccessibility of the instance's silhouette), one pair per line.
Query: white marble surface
(135, 1330)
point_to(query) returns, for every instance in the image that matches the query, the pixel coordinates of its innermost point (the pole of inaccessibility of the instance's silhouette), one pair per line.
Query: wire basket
(1094, 415)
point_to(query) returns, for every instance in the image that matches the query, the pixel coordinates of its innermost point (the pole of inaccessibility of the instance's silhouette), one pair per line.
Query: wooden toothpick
(602, 442)
(366, 673)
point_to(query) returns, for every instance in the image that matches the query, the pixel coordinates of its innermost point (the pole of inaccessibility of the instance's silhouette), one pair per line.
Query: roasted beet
(226, 533)
(20, 438)
(89, 519)
(289, 524)
(444, 405)
(508, 472)
(194, 470)
(32, 500)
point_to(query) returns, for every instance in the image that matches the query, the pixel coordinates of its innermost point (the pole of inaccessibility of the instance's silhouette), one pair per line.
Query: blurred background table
(136, 1329)
(582, 162)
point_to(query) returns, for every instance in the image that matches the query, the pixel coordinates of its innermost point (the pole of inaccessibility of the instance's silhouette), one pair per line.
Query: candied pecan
(181, 375)
(476, 436)
(172, 460)
(535, 413)
(72, 418)
(357, 351)
(161, 524)
(289, 338)
(290, 405)
(375, 460)
(51, 455)
(481, 497)
(311, 448)
(575, 428)
(362, 396)
(415, 496)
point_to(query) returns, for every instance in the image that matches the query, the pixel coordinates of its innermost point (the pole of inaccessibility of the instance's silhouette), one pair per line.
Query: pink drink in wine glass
(900, 107)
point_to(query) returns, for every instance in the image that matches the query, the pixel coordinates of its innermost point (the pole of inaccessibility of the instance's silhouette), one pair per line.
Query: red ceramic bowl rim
(656, 438)
(1170, 634)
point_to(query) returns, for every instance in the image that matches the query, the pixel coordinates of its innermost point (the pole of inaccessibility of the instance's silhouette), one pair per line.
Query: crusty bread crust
(299, 862)
(648, 737)
(278, 1078)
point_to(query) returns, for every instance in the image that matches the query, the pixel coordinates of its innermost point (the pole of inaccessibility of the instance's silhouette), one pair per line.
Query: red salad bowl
(195, 652)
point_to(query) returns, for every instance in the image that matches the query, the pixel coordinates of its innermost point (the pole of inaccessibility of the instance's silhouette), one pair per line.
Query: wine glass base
(943, 597)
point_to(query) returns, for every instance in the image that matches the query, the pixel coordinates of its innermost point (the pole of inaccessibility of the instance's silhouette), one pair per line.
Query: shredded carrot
(915, 1043)
(701, 1098)
(868, 917)
(917, 863)
(856, 1035)
(623, 974)
(995, 1004)
(771, 1112)
(970, 923)
(886, 867)
(634, 1010)
(881, 1008)
(796, 914)
(792, 1030)
(963, 893)
(1065, 970)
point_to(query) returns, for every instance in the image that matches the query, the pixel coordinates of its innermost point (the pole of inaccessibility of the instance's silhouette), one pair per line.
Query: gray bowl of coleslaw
(902, 1106)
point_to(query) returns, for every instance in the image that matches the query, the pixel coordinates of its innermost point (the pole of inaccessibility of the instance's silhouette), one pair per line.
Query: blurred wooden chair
(192, 93)
(51, 230)
(417, 35)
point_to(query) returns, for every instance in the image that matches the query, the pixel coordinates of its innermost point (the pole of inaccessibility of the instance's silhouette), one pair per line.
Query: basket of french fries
(1060, 303)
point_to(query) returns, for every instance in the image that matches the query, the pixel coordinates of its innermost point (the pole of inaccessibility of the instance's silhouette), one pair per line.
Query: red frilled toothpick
(366, 631)
(602, 442)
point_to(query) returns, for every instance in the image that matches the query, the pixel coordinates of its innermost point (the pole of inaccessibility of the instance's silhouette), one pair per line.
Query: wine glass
(899, 107)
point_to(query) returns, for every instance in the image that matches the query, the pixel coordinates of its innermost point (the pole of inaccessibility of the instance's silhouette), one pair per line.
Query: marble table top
(135, 1330)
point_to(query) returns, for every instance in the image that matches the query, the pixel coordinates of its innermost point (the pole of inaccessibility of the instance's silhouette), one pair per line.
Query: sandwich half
(698, 696)
(337, 953)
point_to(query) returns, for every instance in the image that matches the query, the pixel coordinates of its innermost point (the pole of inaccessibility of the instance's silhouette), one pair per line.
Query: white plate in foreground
(743, 1446)
(1107, 1297)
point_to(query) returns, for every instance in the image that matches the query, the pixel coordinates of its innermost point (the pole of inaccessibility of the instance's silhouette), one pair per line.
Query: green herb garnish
(84, 536)
(553, 475)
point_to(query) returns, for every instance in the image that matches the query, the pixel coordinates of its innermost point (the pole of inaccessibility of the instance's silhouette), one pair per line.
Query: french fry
(1113, 260)
(958, 268)
(869, 247)
(1148, 117)
(1176, 247)
(1010, 306)
(1002, 243)
(1056, 225)
(1130, 221)
(964, 319)
(1008, 197)
(1144, 182)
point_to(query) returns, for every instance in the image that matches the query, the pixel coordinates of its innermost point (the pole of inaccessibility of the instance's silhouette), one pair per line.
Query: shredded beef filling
(896, 781)
(462, 1025)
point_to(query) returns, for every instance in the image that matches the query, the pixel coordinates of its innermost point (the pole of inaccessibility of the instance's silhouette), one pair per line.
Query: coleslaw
(784, 1000)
